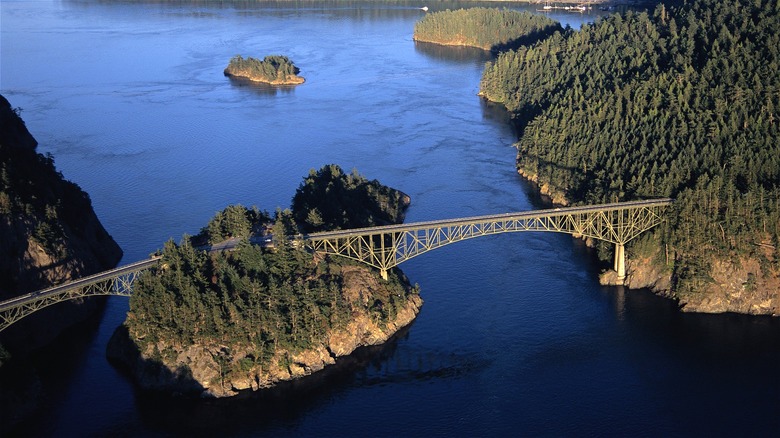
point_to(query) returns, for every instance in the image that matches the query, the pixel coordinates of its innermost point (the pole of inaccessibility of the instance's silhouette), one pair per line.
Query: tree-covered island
(681, 102)
(485, 28)
(273, 69)
(215, 323)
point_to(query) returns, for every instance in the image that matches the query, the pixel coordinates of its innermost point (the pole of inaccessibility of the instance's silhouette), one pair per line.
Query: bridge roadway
(117, 281)
(533, 214)
(387, 246)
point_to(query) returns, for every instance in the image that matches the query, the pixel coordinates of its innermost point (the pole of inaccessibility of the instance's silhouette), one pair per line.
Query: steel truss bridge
(117, 281)
(388, 246)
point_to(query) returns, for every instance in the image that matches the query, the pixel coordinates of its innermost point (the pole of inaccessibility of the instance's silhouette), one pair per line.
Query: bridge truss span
(117, 281)
(387, 247)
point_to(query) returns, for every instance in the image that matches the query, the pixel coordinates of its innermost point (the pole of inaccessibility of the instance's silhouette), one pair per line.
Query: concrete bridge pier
(383, 273)
(620, 261)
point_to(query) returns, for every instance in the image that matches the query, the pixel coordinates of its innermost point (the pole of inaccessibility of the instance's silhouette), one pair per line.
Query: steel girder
(118, 281)
(386, 247)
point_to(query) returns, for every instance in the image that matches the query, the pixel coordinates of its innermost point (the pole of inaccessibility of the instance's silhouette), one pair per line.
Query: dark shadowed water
(516, 336)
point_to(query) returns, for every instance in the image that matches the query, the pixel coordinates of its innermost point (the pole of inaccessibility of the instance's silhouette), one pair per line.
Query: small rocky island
(274, 70)
(215, 323)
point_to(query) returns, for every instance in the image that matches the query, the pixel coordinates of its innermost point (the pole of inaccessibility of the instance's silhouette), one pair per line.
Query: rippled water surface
(516, 336)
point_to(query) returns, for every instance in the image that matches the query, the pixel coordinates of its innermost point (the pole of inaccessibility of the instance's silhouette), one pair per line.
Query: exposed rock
(555, 195)
(736, 287)
(49, 233)
(194, 369)
(740, 287)
(641, 273)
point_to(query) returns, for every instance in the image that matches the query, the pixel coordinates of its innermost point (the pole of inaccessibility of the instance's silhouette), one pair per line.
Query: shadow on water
(286, 403)
(262, 88)
(660, 321)
(498, 115)
(453, 54)
(32, 383)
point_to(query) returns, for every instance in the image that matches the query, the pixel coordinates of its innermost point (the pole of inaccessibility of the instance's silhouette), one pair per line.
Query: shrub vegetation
(274, 69)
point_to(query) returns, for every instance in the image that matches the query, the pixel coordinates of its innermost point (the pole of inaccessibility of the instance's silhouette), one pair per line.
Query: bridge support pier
(383, 273)
(620, 261)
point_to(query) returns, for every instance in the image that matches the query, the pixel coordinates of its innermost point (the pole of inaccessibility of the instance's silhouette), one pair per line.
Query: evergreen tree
(677, 103)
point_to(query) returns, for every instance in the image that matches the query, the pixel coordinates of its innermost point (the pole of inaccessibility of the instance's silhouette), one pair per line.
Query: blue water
(516, 337)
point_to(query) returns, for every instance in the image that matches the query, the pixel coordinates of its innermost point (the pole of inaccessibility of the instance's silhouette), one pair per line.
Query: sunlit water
(516, 336)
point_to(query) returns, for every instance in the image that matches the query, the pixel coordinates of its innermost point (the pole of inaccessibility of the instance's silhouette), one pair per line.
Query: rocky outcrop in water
(273, 70)
(217, 323)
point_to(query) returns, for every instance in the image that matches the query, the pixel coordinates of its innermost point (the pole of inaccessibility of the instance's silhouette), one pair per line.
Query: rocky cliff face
(196, 368)
(737, 286)
(49, 233)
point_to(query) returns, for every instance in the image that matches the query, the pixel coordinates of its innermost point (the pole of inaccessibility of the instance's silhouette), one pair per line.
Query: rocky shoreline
(193, 370)
(49, 233)
(291, 80)
(732, 289)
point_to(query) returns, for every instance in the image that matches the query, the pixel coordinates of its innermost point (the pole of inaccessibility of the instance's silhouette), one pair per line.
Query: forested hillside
(218, 322)
(682, 102)
(49, 233)
(486, 28)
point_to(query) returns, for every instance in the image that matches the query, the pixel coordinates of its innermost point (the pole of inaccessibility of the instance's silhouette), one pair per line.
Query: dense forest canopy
(235, 221)
(486, 28)
(259, 300)
(272, 69)
(682, 102)
(330, 199)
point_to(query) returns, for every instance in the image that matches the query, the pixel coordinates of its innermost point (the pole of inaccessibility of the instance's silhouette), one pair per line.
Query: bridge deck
(488, 218)
(81, 282)
(386, 246)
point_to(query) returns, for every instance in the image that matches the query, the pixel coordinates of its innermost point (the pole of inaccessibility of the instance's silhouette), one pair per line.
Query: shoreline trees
(681, 103)
(485, 28)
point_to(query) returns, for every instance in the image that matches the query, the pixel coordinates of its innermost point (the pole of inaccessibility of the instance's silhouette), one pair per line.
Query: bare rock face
(737, 287)
(556, 196)
(740, 286)
(49, 233)
(201, 369)
(641, 273)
